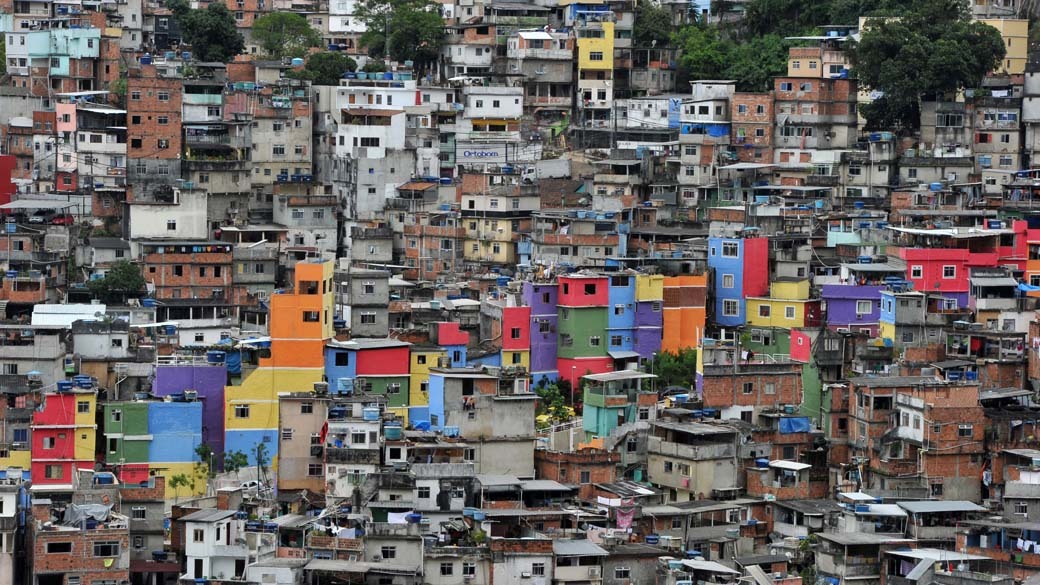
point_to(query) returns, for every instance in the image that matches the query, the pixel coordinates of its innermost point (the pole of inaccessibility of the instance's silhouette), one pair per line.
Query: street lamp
(573, 385)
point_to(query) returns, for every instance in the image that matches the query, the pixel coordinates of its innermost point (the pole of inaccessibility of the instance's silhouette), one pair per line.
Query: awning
(709, 566)
(535, 36)
(791, 465)
(985, 281)
(623, 355)
(371, 112)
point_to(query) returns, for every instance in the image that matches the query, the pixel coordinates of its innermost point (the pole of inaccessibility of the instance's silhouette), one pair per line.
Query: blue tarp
(797, 424)
(1027, 288)
(233, 362)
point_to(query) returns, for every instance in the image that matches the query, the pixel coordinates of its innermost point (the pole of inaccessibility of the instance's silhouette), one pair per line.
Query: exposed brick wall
(723, 391)
(567, 468)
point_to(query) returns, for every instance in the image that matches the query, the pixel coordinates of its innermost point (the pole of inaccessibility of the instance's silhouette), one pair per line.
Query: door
(198, 568)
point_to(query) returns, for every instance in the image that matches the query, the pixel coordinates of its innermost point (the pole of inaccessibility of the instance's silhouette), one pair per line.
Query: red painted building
(516, 328)
(63, 438)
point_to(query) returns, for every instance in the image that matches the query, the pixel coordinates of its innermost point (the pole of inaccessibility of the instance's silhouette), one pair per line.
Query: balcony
(494, 136)
(548, 54)
(542, 100)
(347, 455)
(659, 446)
(214, 164)
(822, 180)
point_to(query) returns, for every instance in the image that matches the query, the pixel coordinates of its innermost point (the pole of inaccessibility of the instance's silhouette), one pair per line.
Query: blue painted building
(740, 268)
(621, 313)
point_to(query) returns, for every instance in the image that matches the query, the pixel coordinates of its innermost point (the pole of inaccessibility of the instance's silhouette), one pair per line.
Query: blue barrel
(148, 302)
(186, 55)
(64, 386)
(413, 518)
(652, 539)
(215, 357)
(388, 75)
(170, 329)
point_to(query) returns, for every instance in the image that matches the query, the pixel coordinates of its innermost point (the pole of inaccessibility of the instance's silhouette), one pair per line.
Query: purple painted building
(209, 381)
(542, 298)
(649, 324)
(852, 307)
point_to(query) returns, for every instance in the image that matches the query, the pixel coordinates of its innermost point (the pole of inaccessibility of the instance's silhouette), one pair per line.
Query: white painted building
(183, 219)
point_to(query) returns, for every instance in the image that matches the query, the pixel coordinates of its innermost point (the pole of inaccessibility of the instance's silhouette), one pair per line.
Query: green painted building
(582, 332)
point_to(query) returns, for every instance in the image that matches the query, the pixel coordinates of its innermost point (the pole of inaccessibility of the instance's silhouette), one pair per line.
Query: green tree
(755, 62)
(211, 32)
(704, 53)
(3, 55)
(933, 50)
(653, 25)
(284, 34)
(416, 30)
(327, 68)
(675, 369)
(204, 452)
(178, 481)
(122, 280)
(235, 460)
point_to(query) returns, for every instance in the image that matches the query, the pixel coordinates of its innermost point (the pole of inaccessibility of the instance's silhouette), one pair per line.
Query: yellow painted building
(187, 469)
(516, 358)
(419, 364)
(1015, 33)
(301, 325)
(649, 287)
(17, 458)
(86, 426)
(595, 46)
(489, 240)
(788, 306)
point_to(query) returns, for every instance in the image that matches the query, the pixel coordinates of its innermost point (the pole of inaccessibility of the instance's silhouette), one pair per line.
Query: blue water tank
(370, 413)
(297, 62)
(146, 59)
(935, 186)
(393, 432)
(652, 539)
(186, 55)
(761, 463)
(64, 386)
(971, 376)
(413, 518)
(148, 303)
(215, 357)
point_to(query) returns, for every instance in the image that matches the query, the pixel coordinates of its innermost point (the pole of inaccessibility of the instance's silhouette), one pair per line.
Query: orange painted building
(685, 312)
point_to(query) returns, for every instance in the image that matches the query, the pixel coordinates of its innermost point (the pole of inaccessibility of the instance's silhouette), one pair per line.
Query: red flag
(324, 433)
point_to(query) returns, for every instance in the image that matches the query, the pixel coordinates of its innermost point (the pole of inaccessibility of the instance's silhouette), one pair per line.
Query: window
(622, 573)
(538, 569)
(730, 250)
(388, 552)
(595, 56)
(514, 333)
(311, 316)
(59, 547)
(241, 411)
(306, 407)
(786, 86)
(469, 569)
(749, 388)
(764, 311)
(315, 470)
(163, 120)
(615, 340)
(368, 318)
(594, 341)
(789, 312)
(198, 535)
(949, 272)
(730, 308)
(83, 407)
(864, 307)
(163, 144)
(164, 96)
(916, 271)
(106, 549)
(54, 472)
(138, 512)
(585, 477)
(447, 569)
(11, 369)
(727, 281)
(965, 430)
(287, 434)
(278, 150)
(1021, 508)
(769, 388)
(423, 492)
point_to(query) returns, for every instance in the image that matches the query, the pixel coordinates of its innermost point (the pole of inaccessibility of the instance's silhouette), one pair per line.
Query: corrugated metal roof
(937, 506)
(577, 548)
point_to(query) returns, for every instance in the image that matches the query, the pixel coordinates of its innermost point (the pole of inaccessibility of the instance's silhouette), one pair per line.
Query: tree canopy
(416, 30)
(122, 280)
(932, 50)
(675, 369)
(326, 68)
(211, 32)
(752, 62)
(653, 25)
(284, 34)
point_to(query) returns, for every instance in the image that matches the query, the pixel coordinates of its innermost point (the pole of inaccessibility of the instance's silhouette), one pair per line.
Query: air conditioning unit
(594, 572)
(525, 575)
